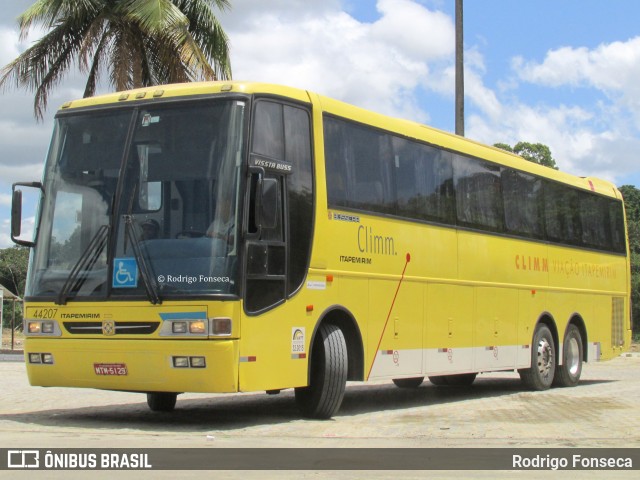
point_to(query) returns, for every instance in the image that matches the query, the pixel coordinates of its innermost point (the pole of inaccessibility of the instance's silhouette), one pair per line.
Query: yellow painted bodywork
(410, 287)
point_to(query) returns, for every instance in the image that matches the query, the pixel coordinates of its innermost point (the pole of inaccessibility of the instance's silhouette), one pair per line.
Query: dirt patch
(18, 340)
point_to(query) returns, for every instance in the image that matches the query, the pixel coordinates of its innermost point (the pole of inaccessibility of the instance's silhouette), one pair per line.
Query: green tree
(13, 268)
(13, 275)
(534, 152)
(631, 197)
(138, 42)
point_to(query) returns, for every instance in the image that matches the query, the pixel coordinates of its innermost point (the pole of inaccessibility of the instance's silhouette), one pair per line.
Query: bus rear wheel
(161, 401)
(543, 360)
(568, 374)
(414, 382)
(461, 380)
(328, 375)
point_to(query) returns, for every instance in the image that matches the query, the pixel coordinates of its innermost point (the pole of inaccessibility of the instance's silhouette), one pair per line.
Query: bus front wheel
(543, 360)
(568, 374)
(328, 375)
(161, 401)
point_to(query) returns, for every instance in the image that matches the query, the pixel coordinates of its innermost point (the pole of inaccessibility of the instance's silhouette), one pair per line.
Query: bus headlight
(181, 362)
(34, 328)
(46, 358)
(199, 326)
(185, 328)
(197, 362)
(47, 327)
(179, 327)
(188, 362)
(42, 327)
(35, 358)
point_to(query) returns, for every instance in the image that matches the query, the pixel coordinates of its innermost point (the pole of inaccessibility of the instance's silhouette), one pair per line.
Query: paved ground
(603, 411)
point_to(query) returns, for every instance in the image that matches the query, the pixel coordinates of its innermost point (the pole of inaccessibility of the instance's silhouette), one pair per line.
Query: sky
(565, 73)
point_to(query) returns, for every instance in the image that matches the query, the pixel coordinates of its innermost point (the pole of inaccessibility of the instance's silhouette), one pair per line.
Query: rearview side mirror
(16, 212)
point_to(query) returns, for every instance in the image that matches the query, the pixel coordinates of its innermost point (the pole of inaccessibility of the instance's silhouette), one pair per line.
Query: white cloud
(597, 136)
(612, 68)
(579, 144)
(414, 30)
(9, 45)
(28, 225)
(375, 65)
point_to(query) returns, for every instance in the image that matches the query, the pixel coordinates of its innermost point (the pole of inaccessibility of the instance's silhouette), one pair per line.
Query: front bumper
(148, 364)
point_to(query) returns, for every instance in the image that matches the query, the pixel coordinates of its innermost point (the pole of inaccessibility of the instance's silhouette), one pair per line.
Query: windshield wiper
(150, 285)
(84, 264)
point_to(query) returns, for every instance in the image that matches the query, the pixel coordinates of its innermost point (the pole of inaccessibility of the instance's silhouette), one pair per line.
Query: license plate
(110, 368)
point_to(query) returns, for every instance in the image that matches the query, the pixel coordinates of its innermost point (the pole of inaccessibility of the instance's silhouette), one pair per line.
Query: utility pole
(459, 70)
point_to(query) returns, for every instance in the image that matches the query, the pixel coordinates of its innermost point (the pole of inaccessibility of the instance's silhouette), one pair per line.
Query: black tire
(460, 380)
(161, 401)
(328, 375)
(408, 382)
(543, 360)
(568, 374)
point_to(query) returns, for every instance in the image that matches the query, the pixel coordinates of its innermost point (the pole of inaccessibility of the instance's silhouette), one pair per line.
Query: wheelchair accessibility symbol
(125, 273)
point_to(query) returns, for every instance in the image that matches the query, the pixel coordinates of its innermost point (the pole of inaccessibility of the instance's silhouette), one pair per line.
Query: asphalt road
(602, 411)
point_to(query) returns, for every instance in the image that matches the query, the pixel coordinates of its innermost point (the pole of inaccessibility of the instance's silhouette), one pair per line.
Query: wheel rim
(573, 357)
(545, 357)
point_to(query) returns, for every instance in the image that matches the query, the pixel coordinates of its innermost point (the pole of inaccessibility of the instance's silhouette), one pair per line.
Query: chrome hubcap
(545, 357)
(573, 357)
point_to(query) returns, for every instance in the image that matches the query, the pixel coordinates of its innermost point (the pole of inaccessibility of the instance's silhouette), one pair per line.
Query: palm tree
(138, 42)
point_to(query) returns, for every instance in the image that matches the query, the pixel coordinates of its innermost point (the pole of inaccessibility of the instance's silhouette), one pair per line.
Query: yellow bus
(229, 236)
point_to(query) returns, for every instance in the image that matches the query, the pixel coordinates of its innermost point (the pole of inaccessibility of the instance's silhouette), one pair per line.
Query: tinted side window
(370, 158)
(562, 214)
(522, 195)
(378, 172)
(616, 225)
(594, 213)
(423, 181)
(299, 192)
(268, 133)
(335, 151)
(478, 194)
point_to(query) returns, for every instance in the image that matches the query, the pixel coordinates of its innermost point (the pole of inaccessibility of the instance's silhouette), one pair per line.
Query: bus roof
(402, 127)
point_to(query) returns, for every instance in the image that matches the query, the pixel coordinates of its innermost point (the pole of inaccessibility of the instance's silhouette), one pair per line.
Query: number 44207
(44, 313)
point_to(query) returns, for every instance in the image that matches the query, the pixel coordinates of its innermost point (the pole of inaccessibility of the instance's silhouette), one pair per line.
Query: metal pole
(459, 70)
(13, 321)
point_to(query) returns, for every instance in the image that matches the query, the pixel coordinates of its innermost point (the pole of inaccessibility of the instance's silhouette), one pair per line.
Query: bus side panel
(599, 330)
(396, 324)
(270, 358)
(448, 339)
(495, 328)
(532, 305)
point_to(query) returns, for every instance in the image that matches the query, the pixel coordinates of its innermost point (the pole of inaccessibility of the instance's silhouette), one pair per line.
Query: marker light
(221, 326)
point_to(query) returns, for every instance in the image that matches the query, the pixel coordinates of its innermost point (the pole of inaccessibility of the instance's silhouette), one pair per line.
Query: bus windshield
(141, 202)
